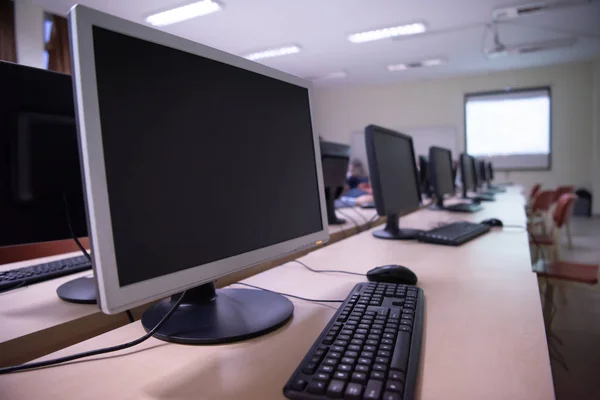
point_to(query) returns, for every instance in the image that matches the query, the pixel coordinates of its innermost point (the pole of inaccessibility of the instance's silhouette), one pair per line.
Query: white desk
(484, 333)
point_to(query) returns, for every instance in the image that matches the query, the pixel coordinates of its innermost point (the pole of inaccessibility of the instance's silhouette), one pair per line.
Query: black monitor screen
(393, 171)
(39, 157)
(490, 171)
(441, 170)
(334, 159)
(467, 172)
(203, 160)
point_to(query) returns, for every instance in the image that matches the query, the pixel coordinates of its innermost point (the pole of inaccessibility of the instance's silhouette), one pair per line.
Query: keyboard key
(386, 347)
(358, 342)
(362, 368)
(369, 347)
(365, 361)
(353, 391)
(349, 360)
(360, 336)
(354, 347)
(326, 368)
(389, 336)
(380, 367)
(344, 368)
(391, 396)
(387, 341)
(341, 343)
(330, 361)
(310, 368)
(400, 356)
(322, 376)
(353, 354)
(360, 377)
(336, 388)
(383, 353)
(373, 390)
(299, 385)
(367, 354)
(344, 337)
(317, 387)
(378, 375)
(337, 348)
(397, 376)
(372, 342)
(335, 354)
(394, 386)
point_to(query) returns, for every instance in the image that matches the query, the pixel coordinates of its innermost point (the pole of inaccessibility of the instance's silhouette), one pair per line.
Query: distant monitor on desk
(481, 178)
(41, 194)
(334, 158)
(424, 176)
(161, 119)
(469, 179)
(394, 179)
(442, 178)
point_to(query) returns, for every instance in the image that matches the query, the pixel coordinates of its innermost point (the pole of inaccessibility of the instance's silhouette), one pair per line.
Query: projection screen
(510, 128)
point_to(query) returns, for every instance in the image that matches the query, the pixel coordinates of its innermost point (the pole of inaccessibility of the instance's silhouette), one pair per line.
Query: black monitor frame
(335, 152)
(425, 176)
(392, 227)
(466, 162)
(439, 197)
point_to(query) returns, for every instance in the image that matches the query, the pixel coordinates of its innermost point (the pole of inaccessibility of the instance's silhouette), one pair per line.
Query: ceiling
(320, 27)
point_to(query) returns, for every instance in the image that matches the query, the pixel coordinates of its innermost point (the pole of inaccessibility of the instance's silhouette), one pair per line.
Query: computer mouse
(493, 222)
(392, 274)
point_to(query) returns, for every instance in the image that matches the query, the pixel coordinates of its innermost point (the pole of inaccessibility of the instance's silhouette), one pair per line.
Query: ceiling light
(334, 75)
(385, 33)
(432, 62)
(183, 13)
(281, 51)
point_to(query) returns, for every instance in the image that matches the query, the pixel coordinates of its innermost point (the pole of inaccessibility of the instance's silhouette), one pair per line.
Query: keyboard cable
(60, 360)
(337, 271)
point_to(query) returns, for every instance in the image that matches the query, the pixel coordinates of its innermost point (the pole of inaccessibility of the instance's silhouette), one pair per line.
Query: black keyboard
(464, 207)
(453, 234)
(369, 350)
(496, 189)
(19, 277)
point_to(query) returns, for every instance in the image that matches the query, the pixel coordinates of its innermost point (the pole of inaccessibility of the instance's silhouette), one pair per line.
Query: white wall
(440, 103)
(596, 141)
(29, 33)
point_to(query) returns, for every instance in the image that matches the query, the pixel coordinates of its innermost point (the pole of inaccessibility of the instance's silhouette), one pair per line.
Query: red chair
(562, 214)
(534, 191)
(538, 212)
(559, 192)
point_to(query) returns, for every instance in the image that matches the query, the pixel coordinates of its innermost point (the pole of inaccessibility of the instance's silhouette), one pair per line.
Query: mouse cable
(78, 243)
(60, 360)
(327, 270)
(290, 295)
(370, 223)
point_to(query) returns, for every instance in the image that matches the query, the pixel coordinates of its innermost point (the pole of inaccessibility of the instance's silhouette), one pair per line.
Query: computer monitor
(334, 158)
(424, 176)
(394, 179)
(467, 173)
(483, 174)
(41, 194)
(197, 164)
(440, 161)
(490, 168)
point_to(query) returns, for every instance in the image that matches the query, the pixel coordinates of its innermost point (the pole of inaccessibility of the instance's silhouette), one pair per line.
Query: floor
(577, 322)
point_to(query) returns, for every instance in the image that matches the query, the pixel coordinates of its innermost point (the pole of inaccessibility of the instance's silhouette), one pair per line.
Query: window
(47, 34)
(511, 128)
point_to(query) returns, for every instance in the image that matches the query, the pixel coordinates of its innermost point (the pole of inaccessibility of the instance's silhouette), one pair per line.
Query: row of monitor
(187, 164)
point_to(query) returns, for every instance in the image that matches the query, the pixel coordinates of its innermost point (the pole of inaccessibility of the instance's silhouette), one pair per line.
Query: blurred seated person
(358, 190)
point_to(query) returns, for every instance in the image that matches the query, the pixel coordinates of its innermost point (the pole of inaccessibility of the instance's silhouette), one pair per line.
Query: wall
(440, 103)
(29, 33)
(596, 141)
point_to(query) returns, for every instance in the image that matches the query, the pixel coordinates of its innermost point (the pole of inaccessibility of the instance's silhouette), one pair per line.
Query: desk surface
(36, 322)
(484, 333)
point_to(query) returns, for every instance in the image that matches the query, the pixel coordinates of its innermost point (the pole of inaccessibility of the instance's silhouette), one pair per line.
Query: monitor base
(392, 230)
(81, 290)
(436, 207)
(209, 316)
(402, 234)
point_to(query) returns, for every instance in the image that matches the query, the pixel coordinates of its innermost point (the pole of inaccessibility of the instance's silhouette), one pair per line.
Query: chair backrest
(559, 191)
(543, 200)
(535, 190)
(564, 209)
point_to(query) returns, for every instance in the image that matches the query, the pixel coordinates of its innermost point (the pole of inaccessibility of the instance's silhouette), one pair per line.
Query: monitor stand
(392, 230)
(210, 316)
(438, 205)
(332, 219)
(81, 290)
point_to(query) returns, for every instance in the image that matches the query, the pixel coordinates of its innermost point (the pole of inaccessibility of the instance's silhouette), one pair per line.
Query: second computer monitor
(334, 158)
(440, 162)
(467, 174)
(394, 179)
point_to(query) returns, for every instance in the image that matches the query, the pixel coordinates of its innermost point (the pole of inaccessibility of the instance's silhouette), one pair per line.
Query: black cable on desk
(290, 295)
(60, 360)
(350, 218)
(337, 271)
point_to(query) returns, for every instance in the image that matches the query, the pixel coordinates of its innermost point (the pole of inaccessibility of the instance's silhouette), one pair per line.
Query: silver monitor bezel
(113, 298)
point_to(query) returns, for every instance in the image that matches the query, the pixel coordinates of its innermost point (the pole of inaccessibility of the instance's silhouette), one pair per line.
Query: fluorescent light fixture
(385, 33)
(280, 51)
(432, 62)
(189, 11)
